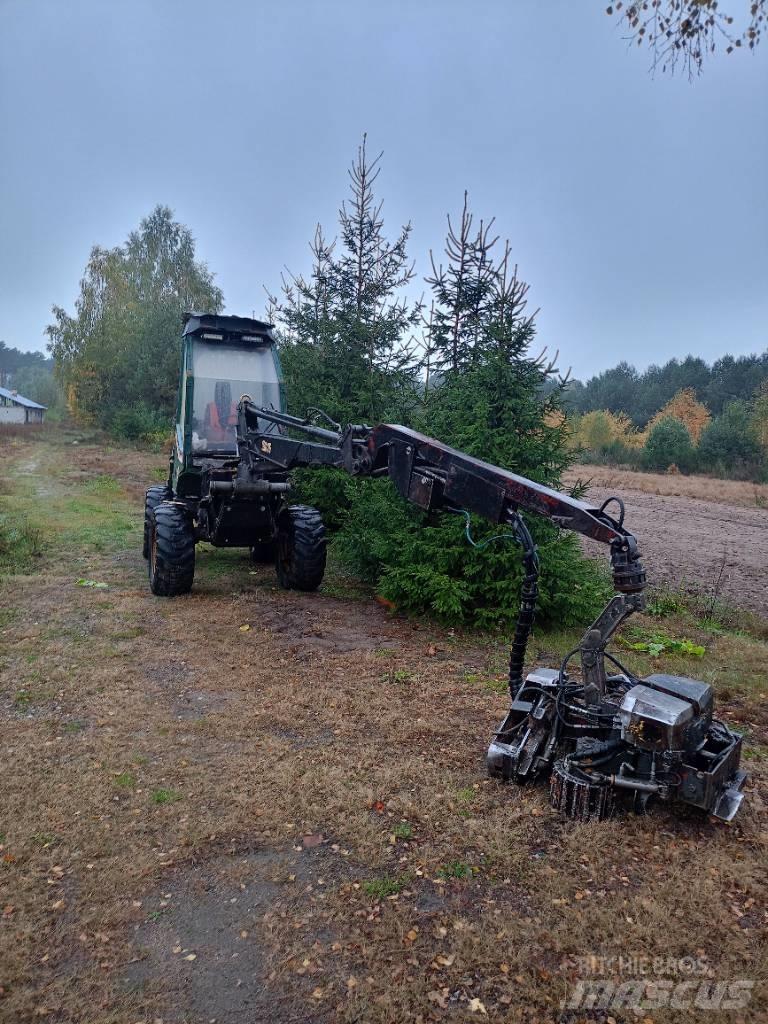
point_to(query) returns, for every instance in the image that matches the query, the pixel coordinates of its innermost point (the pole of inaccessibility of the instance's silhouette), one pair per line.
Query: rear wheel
(300, 548)
(152, 499)
(171, 550)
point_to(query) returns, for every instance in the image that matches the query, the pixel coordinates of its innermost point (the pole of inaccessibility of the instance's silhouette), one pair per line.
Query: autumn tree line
(684, 415)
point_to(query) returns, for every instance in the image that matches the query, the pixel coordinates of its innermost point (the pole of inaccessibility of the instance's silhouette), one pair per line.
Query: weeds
(403, 830)
(496, 684)
(23, 700)
(666, 602)
(126, 780)
(382, 888)
(165, 796)
(44, 839)
(456, 869)
(7, 615)
(20, 542)
(74, 727)
(657, 643)
(400, 675)
(104, 484)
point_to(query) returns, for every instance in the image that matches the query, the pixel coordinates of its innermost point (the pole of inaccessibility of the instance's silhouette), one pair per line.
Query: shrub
(424, 564)
(729, 446)
(139, 421)
(329, 490)
(605, 436)
(669, 443)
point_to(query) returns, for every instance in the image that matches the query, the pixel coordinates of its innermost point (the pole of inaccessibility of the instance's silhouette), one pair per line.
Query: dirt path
(249, 805)
(703, 545)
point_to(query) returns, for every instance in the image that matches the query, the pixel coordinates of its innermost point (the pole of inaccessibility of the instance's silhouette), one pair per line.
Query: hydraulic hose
(529, 594)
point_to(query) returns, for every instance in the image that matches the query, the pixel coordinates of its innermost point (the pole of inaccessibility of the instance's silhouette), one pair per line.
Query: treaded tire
(153, 497)
(171, 550)
(300, 559)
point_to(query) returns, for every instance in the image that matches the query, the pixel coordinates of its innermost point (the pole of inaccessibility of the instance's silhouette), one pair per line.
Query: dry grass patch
(294, 821)
(702, 488)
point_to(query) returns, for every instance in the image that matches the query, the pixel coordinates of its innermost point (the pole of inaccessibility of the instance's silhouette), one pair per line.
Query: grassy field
(247, 804)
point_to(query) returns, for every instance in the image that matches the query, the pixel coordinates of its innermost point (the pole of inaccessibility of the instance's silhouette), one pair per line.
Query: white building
(14, 408)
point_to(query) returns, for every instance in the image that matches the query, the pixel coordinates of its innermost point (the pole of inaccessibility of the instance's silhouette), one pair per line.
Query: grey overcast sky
(636, 207)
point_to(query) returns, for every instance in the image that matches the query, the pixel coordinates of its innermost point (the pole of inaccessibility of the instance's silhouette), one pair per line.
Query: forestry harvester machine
(598, 734)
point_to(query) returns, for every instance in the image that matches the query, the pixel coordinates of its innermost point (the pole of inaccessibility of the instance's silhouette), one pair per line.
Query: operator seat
(220, 414)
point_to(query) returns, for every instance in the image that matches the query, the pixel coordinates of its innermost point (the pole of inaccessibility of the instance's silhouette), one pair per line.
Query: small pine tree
(462, 290)
(346, 329)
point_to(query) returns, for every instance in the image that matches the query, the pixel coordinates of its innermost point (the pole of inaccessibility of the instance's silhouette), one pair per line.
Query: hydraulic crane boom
(652, 737)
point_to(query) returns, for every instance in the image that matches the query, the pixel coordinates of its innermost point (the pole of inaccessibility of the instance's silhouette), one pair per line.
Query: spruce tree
(495, 400)
(347, 327)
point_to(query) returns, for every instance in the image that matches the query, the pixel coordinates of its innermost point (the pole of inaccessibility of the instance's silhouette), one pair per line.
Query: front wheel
(171, 550)
(152, 499)
(300, 548)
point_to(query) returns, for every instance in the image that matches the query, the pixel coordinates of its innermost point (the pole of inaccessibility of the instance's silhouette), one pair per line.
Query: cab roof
(216, 327)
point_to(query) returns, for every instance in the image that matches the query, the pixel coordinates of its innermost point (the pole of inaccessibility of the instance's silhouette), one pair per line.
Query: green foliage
(669, 443)
(403, 830)
(330, 490)
(165, 796)
(345, 328)
(13, 361)
(117, 357)
(666, 602)
(345, 348)
(729, 444)
(623, 389)
(31, 374)
(658, 643)
(456, 869)
(20, 542)
(139, 421)
(426, 565)
(492, 409)
(104, 483)
(381, 888)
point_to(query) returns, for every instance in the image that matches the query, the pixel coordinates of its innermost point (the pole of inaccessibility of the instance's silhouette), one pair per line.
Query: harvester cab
(218, 489)
(223, 358)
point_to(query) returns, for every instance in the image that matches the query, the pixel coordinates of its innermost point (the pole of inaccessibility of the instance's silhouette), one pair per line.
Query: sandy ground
(687, 537)
(247, 805)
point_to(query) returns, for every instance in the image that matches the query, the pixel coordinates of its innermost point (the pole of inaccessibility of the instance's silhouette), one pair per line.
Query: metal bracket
(592, 646)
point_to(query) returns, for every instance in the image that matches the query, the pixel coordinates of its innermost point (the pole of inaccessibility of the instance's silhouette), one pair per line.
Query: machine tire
(263, 552)
(152, 499)
(300, 558)
(171, 550)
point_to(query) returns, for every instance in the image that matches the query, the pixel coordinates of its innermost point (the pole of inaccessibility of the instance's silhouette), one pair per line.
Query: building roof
(20, 399)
